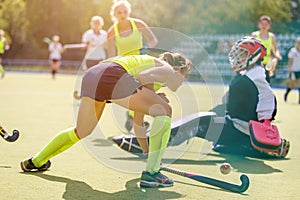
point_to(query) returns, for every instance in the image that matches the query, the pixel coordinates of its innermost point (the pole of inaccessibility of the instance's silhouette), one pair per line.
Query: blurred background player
(294, 68)
(269, 41)
(125, 37)
(95, 43)
(114, 80)
(95, 39)
(56, 49)
(4, 46)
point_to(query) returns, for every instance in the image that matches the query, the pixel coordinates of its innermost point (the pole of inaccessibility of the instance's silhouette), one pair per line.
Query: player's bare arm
(254, 34)
(275, 50)
(144, 28)
(163, 73)
(111, 48)
(290, 63)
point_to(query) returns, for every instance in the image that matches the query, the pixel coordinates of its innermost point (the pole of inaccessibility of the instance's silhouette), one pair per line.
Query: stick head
(13, 137)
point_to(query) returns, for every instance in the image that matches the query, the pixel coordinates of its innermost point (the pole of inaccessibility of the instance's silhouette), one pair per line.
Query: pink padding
(264, 133)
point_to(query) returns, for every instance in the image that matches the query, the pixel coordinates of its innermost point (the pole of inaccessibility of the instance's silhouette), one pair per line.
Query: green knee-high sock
(131, 113)
(61, 142)
(159, 137)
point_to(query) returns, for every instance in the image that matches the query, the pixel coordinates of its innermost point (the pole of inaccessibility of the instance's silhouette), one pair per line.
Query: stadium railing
(39, 65)
(208, 52)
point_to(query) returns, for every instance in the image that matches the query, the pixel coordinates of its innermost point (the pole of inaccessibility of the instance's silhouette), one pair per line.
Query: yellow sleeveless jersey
(135, 64)
(2, 46)
(131, 44)
(269, 46)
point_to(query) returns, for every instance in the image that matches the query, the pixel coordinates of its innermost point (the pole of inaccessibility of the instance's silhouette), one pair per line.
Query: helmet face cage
(237, 58)
(245, 52)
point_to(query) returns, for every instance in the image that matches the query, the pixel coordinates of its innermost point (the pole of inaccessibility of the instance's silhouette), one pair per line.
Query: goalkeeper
(249, 99)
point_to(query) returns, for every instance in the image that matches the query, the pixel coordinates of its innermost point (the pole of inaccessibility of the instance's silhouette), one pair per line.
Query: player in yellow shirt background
(4, 46)
(125, 37)
(268, 39)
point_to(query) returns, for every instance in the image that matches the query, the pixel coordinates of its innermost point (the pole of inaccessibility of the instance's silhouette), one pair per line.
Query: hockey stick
(75, 46)
(9, 137)
(47, 40)
(211, 181)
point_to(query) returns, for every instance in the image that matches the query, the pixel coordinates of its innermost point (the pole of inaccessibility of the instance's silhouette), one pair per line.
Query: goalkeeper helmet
(246, 52)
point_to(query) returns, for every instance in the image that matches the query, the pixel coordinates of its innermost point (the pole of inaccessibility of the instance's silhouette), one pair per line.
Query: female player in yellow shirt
(127, 81)
(4, 46)
(268, 39)
(125, 37)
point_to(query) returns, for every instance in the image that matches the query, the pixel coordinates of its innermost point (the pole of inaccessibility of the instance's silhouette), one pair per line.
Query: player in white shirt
(56, 49)
(95, 40)
(294, 68)
(95, 43)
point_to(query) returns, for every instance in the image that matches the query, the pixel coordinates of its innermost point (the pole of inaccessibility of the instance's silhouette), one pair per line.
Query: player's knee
(82, 133)
(292, 85)
(161, 110)
(169, 110)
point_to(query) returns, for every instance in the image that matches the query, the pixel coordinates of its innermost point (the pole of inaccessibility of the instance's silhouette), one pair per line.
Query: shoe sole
(147, 184)
(34, 170)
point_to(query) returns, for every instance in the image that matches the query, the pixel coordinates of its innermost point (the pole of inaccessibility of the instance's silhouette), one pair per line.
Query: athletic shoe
(128, 143)
(284, 149)
(147, 125)
(28, 166)
(249, 151)
(129, 123)
(155, 180)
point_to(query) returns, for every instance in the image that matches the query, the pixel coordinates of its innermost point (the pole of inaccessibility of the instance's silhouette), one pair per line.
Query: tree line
(27, 22)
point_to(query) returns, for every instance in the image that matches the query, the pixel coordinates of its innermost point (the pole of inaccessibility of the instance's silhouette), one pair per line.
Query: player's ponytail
(177, 60)
(168, 57)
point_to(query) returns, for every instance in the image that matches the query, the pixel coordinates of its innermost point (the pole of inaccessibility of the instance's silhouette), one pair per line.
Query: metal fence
(215, 46)
(39, 65)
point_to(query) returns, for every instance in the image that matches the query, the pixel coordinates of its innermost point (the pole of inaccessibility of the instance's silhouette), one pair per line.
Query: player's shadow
(102, 142)
(251, 165)
(5, 166)
(78, 190)
(239, 163)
